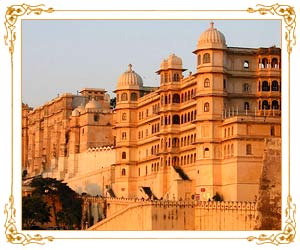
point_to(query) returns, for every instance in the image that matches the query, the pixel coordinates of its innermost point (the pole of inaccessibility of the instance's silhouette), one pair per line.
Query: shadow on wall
(93, 189)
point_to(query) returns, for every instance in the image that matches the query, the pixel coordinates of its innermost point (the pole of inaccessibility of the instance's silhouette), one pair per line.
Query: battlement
(104, 148)
(209, 205)
(160, 214)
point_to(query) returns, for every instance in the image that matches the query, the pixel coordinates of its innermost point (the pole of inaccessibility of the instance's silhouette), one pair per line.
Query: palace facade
(188, 138)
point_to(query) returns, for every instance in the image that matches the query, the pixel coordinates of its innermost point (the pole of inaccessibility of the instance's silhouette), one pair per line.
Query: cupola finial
(130, 67)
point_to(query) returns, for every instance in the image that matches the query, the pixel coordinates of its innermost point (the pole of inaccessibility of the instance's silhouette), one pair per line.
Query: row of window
(187, 159)
(124, 97)
(265, 63)
(175, 98)
(228, 132)
(154, 129)
(206, 58)
(165, 77)
(174, 142)
(262, 64)
(266, 105)
(266, 86)
(170, 143)
(176, 119)
(141, 114)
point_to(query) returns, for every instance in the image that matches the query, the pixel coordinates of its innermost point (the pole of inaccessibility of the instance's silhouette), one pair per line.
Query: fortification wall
(224, 215)
(90, 171)
(134, 214)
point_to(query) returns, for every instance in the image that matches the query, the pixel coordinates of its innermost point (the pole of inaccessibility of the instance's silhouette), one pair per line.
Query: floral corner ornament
(289, 16)
(11, 232)
(11, 17)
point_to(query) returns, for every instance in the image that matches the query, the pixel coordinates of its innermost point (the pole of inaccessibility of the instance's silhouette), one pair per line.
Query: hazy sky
(65, 56)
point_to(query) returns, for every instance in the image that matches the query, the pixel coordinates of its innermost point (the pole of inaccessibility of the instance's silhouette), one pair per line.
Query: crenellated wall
(134, 214)
(225, 215)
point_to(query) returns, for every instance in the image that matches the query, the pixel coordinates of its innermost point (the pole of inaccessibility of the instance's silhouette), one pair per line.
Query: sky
(65, 56)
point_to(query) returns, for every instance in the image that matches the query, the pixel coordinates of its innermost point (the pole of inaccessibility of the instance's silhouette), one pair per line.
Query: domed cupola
(93, 104)
(130, 80)
(164, 64)
(174, 62)
(211, 38)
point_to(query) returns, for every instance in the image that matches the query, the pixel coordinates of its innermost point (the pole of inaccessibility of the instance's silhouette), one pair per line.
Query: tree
(54, 190)
(34, 210)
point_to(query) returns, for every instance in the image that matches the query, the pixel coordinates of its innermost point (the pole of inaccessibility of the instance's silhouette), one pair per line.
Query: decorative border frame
(14, 12)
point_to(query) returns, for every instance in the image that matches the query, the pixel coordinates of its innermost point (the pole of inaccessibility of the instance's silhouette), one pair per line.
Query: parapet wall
(225, 215)
(135, 214)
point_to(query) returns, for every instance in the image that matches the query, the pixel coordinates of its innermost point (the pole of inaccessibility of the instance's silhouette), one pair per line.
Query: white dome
(93, 104)
(211, 38)
(130, 80)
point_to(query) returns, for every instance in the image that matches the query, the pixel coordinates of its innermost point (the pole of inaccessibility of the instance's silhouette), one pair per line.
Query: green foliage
(71, 213)
(34, 210)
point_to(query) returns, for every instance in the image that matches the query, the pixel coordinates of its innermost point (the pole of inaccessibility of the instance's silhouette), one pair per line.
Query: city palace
(190, 137)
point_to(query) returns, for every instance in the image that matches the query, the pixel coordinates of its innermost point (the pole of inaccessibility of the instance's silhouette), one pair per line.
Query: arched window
(206, 83)
(274, 63)
(246, 64)
(176, 77)
(176, 119)
(124, 116)
(206, 153)
(123, 135)
(265, 86)
(274, 86)
(248, 149)
(123, 172)
(272, 131)
(206, 58)
(176, 98)
(246, 87)
(264, 63)
(206, 107)
(166, 77)
(275, 104)
(133, 96)
(265, 104)
(124, 97)
(246, 106)
(199, 59)
(123, 155)
(96, 117)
